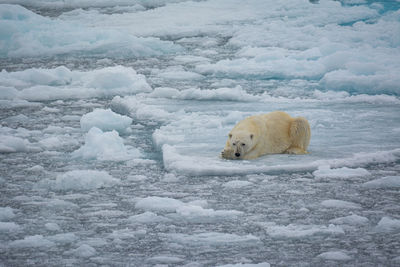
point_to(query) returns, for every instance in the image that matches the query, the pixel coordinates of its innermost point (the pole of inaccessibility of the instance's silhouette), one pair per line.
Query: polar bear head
(241, 142)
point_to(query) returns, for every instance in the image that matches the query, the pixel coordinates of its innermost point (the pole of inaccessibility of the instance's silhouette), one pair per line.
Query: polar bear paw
(226, 154)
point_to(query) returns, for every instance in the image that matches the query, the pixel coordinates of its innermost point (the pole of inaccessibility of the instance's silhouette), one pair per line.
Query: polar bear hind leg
(300, 134)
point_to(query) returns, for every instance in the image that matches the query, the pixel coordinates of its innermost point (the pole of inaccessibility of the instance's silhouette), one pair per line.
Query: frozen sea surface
(113, 115)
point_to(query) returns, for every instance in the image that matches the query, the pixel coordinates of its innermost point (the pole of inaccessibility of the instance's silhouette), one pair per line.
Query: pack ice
(113, 115)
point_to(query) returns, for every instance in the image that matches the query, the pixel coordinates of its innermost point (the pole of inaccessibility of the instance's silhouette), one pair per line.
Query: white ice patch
(6, 213)
(263, 264)
(193, 212)
(341, 173)
(340, 204)
(237, 184)
(354, 220)
(62, 83)
(9, 227)
(385, 182)
(35, 241)
(294, 231)
(147, 218)
(334, 256)
(80, 180)
(213, 239)
(105, 120)
(12, 144)
(388, 225)
(27, 34)
(83, 251)
(105, 146)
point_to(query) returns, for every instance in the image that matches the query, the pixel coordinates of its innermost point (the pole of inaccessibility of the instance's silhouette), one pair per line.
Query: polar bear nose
(237, 154)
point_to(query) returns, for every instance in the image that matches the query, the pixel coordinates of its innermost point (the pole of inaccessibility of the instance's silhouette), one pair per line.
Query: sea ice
(28, 34)
(353, 219)
(105, 146)
(105, 120)
(300, 231)
(35, 241)
(80, 180)
(387, 224)
(213, 239)
(341, 173)
(385, 182)
(6, 213)
(340, 204)
(62, 83)
(334, 256)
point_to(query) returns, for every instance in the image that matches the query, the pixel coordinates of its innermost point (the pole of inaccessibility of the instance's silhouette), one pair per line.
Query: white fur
(271, 133)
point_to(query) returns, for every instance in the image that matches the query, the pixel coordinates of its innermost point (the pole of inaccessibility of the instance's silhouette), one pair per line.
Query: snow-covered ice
(113, 115)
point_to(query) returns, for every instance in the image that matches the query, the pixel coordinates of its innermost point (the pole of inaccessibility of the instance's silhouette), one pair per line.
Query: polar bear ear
(230, 135)
(251, 136)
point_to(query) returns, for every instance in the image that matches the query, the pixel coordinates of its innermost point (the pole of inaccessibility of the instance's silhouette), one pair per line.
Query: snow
(114, 114)
(105, 120)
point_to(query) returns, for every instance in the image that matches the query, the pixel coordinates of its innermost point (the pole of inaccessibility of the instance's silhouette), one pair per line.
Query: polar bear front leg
(227, 153)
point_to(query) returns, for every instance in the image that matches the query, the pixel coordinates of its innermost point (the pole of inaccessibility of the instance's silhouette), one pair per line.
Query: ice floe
(105, 146)
(105, 120)
(79, 180)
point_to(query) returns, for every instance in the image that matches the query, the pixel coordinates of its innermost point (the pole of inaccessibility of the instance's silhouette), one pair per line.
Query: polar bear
(272, 133)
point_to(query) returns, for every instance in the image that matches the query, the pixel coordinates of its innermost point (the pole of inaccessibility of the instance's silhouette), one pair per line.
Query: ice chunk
(334, 256)
(191, 212)
(213, 239)
(83, 251)
(80, 180)
(52, 227)
(62, 83)
(387, 224)
(6, 213)
(65, 238)
(147, 218)
(105, 146)
(27, 34)
(165, 260)
(385, 182)
(105, 120)
(35, 241)
(197, 214)
(9, 227)
(340, 204)
(354, 219)
(341, 173)
(178, 73)
(237, 184)
(11, 144)
(224, 94)
(162, 204)
(300, 231)
(263, 264)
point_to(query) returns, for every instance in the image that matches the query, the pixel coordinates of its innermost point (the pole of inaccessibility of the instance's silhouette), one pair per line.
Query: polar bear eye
(234, 144)
(243, 144)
